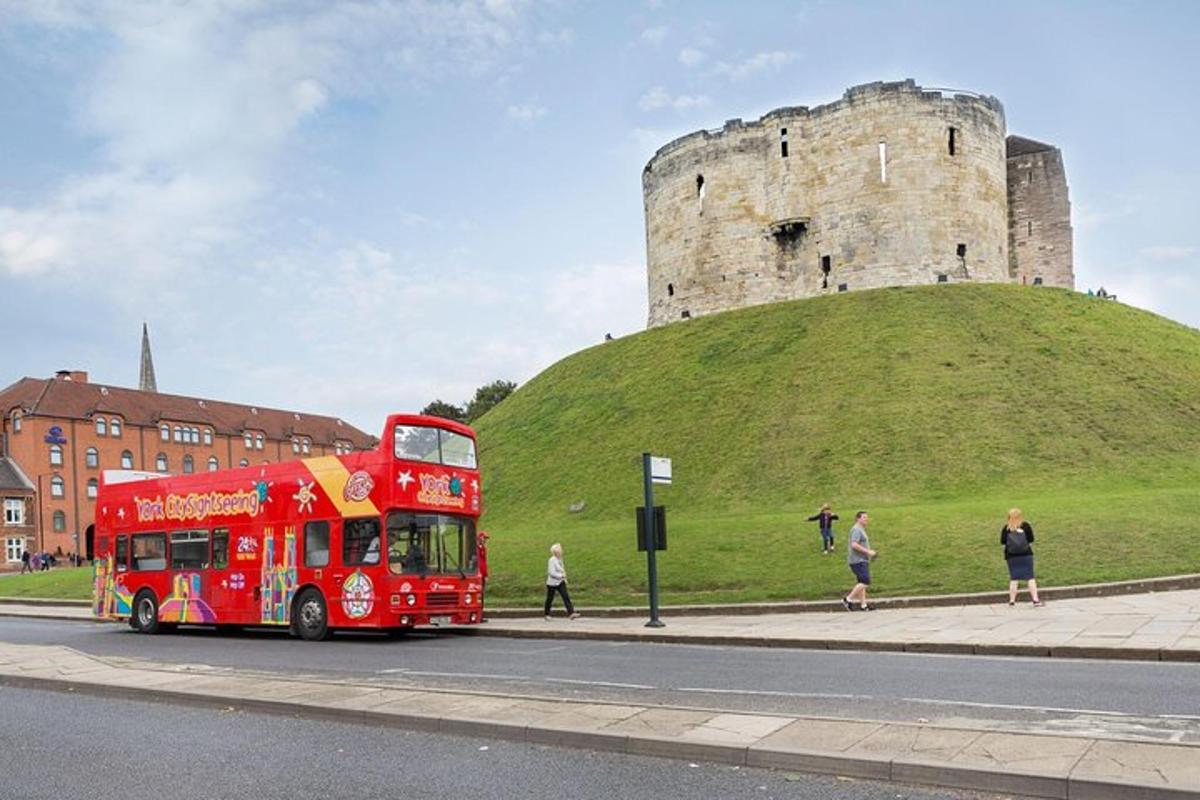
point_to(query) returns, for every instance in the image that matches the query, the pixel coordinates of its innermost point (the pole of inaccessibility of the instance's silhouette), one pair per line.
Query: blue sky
(353, 208)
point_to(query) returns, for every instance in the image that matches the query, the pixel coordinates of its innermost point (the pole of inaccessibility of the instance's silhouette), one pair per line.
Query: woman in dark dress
(1017, 538)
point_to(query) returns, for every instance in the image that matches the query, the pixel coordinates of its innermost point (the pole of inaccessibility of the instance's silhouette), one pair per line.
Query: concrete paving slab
(738, 729)
(663, 722)
(1167, 766)
(916, 742)
(1027, 754)
(819, 735)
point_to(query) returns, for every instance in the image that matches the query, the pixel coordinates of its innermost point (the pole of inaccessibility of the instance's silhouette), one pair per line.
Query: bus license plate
(442, 620)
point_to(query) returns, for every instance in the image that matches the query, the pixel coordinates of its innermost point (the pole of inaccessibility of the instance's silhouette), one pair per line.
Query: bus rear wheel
(144, 618)
(311, 616)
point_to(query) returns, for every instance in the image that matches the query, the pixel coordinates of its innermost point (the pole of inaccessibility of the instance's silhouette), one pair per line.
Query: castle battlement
(892, 184)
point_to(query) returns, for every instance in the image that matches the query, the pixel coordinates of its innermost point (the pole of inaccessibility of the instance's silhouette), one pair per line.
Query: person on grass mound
(860, 557)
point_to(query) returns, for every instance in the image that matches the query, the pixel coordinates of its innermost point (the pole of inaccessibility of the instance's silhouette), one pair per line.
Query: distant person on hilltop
(1017, 538)
(859, 559)
(824, 519)
(556, 581)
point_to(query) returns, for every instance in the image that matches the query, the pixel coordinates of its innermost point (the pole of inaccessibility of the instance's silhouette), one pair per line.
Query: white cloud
(1167, 253)
(562, 37)
(754, 65)
(654, 36)
(690, 56)
(526, 112)
(658, 97)
(590, 301)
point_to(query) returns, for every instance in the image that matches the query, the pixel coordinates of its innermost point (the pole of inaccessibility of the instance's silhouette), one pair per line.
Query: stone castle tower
(893, 185)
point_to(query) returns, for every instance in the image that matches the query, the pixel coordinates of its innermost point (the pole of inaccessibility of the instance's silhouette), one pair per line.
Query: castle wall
(761, 225)
(1040, 234)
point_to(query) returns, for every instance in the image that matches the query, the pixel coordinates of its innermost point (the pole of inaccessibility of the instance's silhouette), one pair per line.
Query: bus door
(190, 598)
(354, 596)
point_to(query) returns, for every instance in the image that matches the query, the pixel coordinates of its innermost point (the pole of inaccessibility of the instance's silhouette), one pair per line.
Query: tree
(487, 397)
(440, 408)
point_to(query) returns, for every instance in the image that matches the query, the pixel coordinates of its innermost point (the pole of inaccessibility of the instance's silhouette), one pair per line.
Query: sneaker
(575, 615)
(868, 607)
(547, 618)
(847, 604)
(1012, 602)
(1038, 604)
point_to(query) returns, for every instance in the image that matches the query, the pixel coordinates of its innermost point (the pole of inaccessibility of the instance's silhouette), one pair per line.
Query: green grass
(64, 583)
(935, 408)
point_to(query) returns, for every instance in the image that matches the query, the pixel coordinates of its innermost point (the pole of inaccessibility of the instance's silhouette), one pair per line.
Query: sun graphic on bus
(358, 595)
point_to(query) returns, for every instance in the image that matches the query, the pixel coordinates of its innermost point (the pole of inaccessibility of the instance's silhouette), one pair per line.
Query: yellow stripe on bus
(332, 475)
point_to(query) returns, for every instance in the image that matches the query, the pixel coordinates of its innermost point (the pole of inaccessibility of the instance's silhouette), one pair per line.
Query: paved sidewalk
(1162, 626)
(962, 757)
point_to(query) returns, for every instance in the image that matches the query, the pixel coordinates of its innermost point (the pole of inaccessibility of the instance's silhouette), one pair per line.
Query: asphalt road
(1155, 701)
(55, 746)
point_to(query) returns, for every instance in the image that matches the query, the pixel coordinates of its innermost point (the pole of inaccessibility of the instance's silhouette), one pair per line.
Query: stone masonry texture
(892, 185)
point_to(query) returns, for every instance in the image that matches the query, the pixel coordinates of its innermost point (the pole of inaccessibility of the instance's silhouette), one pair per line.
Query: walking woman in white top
(556, 581)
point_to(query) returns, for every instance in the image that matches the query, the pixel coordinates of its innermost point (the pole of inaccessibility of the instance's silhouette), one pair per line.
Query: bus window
(149, 551)
(121, 559)
(189, 549)
(316, 544)
(457, 450)
(360, 541)
(414, 443)
(437, 543)
(220, 548)
(408, 543)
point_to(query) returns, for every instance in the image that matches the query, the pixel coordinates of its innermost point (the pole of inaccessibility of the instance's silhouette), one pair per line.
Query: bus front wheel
(144, 618)
(312, 618)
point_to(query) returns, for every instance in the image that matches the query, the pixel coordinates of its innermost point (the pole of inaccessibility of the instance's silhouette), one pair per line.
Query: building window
(258, 441)
(249, 439)
(670, 290)
(883, 162)
(13, 549)
(16, 421)
(213, 464)
(126, 459)
(14, 511)
(101, 426)
(953, 140)
(700, 192)
(295, 445)
(188, 465)
(195, 436)
(244, 463)
(93, 487)
(114, 427)
(160, 462)
(305, 446)
(92, 458)
(55, 455)
(826, 267)
(165, 433)
(60, 521)
(178, 434)
(57, 487)
(208, 436)
(783, 148)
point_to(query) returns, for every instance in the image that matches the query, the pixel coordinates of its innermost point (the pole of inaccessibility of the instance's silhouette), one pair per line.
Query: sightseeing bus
(380, 540)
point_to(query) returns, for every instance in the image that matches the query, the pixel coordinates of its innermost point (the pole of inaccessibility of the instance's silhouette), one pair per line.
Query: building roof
(1020, 146)
(78, 399)
(11, 476)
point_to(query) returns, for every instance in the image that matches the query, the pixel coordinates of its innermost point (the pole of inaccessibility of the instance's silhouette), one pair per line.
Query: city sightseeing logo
(197, 506)
(358, 487)
(441, 490)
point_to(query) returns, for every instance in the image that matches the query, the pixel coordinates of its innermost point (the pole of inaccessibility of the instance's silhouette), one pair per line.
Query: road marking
(810, 695)
(600, 683)
(404, 671)
(1052, 709)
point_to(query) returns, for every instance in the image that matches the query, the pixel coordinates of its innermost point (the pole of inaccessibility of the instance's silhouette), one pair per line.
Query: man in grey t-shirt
(859, 558)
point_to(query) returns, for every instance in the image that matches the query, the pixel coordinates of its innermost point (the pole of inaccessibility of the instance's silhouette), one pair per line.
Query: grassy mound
(936, 408)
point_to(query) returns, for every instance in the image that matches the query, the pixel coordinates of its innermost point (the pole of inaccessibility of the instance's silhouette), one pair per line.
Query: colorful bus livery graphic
(346, 541)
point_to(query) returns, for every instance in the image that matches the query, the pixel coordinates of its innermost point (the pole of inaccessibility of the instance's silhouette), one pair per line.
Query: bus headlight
(467, 599)
(411, 599)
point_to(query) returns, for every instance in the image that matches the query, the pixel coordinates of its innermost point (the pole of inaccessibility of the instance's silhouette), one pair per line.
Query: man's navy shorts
(862, 571)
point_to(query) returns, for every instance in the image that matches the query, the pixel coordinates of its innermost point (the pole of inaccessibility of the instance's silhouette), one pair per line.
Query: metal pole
(651, 542)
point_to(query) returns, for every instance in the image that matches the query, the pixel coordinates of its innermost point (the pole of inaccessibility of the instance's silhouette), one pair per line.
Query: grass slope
(935, 407)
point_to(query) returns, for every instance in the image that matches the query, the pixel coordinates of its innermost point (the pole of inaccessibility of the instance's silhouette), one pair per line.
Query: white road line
(600, 683)
(1054, 709)
(403, 671)
(810, 695)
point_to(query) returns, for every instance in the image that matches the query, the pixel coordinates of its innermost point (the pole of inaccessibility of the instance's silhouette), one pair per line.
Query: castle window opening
(843, 287)
(686, 314)
(1030, 230)
(826, 267)
(670, 290)
(953, 137)
(1037, 281)
(883, 162)
(943, 278)
(783, 143)
(700, 188)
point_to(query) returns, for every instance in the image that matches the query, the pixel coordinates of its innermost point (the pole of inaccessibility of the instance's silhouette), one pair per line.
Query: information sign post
(654, 470)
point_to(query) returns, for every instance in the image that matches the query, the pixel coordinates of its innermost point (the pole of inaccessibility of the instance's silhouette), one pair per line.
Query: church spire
(146, 380)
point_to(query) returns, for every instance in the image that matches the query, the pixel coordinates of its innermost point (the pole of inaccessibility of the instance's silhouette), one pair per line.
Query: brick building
(18, 501)
(60, 432)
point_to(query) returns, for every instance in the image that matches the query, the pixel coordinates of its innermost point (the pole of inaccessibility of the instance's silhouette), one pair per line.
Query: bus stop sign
(660, 470)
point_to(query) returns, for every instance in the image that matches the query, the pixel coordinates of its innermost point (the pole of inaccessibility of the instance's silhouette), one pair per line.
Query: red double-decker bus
(380, 539)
